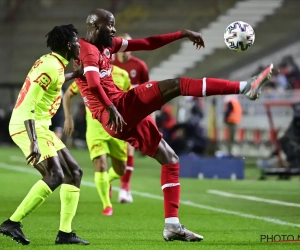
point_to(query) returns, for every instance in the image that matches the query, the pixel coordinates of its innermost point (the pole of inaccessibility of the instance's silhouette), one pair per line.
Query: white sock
(172, 220)
(242, 86)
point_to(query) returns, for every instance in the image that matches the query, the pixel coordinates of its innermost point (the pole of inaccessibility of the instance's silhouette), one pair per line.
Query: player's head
(63, 40)
(124, 56)
(100, 27)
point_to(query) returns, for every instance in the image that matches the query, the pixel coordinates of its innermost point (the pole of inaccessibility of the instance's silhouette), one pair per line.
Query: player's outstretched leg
(52, 177)
(69, 198)
(251, 88)
(170, 185)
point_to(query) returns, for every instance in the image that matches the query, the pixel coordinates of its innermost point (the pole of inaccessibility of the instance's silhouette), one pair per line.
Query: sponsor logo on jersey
(133, 73)
(104, 73)
(43, 80)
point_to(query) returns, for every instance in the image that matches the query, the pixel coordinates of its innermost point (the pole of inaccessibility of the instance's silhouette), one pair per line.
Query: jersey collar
(64, 62)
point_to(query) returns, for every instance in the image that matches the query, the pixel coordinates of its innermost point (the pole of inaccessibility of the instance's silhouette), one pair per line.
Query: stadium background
(23, 26)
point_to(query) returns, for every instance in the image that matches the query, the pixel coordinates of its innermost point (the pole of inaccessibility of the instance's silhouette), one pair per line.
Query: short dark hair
(59, 36)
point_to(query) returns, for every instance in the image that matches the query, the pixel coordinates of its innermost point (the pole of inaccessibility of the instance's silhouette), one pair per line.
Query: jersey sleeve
(90, 58)
(41, 76)
(148, 43)
(119, 44)
(73, 88)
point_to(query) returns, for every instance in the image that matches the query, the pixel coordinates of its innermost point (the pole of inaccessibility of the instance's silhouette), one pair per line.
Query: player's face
(107, 32)
(74, 48)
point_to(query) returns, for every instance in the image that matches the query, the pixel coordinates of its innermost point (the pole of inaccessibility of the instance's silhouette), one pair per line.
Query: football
(239, 36)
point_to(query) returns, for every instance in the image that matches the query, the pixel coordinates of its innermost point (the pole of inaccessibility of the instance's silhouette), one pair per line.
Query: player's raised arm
(155, 42)
(67, 105)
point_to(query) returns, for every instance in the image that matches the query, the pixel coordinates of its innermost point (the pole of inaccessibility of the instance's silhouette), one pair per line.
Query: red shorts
(135, 106)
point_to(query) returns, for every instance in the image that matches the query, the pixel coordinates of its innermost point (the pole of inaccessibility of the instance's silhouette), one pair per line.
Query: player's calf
(13, 230)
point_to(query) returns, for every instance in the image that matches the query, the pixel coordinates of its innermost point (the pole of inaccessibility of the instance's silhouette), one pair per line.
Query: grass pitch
(224, 212)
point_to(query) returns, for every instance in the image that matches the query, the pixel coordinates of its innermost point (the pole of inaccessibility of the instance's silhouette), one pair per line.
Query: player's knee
(58, 176)
(120, 168)
(100, 164)
(173, 157)
(175, 81)
(77, 174)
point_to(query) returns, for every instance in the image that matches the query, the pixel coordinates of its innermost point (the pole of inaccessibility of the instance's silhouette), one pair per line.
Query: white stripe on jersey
(124, 45)
(90, 68)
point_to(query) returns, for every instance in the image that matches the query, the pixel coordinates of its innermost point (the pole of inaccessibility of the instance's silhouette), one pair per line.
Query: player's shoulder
(47, 63)
(87, 47)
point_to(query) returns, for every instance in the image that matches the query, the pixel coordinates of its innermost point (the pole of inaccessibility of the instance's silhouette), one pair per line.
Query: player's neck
(62, 54)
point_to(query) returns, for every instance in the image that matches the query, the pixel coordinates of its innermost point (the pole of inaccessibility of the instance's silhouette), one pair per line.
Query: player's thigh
(45, 142)
(118, 149)
(145, 137)
(143, 100)
(97, 144)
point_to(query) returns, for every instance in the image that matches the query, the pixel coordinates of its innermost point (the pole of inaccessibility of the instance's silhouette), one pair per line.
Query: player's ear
(69, 46)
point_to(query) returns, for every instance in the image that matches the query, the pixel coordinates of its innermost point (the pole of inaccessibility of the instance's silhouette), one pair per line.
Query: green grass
(139, 225)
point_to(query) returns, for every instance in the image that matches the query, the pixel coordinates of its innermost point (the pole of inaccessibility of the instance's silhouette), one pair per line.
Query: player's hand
(69, 126)
(35, 153)
(194, 37)
(115, 120)
(78, 67)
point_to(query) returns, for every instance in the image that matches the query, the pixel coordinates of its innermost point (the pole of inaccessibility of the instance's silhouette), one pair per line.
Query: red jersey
(136, 68)
(96, 86)
(98, 60)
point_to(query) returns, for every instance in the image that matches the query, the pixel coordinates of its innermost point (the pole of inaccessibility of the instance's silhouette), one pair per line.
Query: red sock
(171, 188)
(207, 87)
(125, 180)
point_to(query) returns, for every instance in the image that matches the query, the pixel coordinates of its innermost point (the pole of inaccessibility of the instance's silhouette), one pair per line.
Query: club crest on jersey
(133, 73)
(106, 52)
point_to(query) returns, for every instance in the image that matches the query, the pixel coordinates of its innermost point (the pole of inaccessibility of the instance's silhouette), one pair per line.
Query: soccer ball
(239, 36)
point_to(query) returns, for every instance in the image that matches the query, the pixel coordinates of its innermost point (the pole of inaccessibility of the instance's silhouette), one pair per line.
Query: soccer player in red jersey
(125, 115)
(138, 73)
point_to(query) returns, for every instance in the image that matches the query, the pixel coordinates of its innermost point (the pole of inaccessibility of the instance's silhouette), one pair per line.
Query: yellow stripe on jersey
(40, 95)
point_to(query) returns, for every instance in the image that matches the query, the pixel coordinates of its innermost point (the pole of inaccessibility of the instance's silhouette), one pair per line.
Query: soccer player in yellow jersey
(100, 143)
(37, 102)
